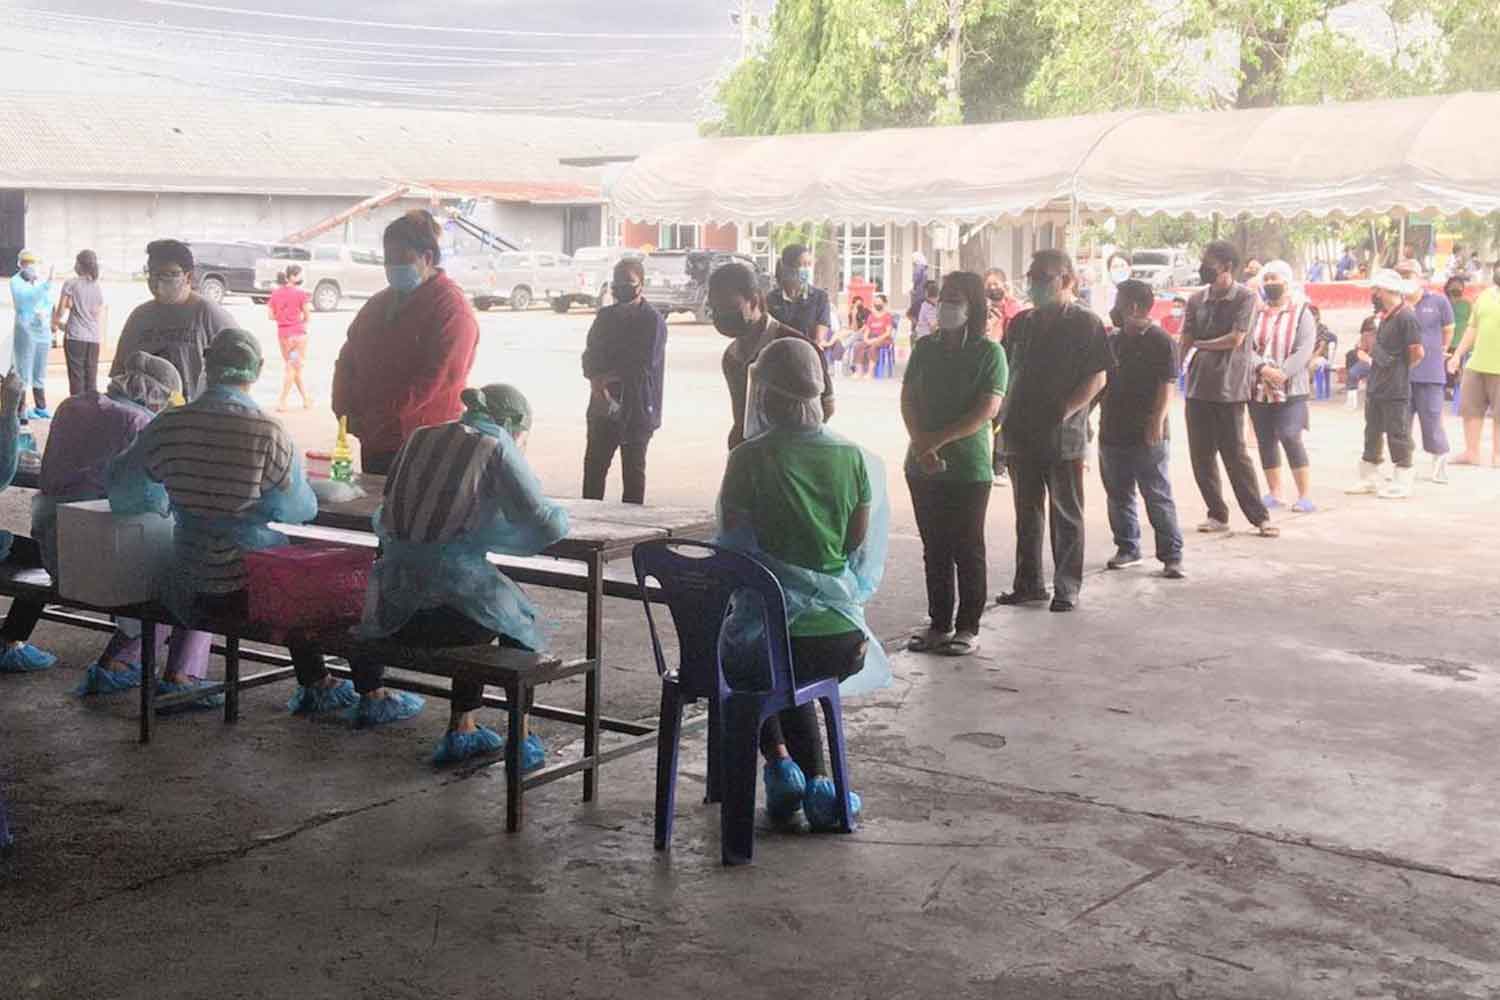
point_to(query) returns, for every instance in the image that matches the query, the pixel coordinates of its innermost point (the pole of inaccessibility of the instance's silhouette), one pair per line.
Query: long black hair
(971, 286)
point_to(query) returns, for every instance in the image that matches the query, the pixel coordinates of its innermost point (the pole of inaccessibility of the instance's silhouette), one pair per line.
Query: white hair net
(786, 385)
(149, 381)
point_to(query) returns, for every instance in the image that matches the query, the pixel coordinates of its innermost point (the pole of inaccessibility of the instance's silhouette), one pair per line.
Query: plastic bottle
(341, 469)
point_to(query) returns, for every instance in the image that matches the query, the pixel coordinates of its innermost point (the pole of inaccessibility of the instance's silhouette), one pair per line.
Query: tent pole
(1401, 247)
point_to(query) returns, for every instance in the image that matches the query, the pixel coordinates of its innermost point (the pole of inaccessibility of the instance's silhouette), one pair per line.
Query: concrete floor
(1270, 780)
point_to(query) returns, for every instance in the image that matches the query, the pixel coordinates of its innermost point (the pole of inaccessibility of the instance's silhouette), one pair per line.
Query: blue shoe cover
(207, 701)
(533, 755)
(394, 707)
(821, 805)
(455, 747)
(100, 680)
(315, 699)
(25, 659)
(40, 413)
(785, 787)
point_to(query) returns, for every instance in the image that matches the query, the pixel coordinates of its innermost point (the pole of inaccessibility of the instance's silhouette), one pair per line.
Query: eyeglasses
(168, 275)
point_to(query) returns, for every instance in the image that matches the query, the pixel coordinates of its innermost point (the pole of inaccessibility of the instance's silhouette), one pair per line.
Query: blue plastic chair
(885, 361)
(697, 581)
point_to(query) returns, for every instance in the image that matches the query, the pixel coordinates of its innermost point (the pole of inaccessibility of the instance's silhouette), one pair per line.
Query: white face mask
(953, 315)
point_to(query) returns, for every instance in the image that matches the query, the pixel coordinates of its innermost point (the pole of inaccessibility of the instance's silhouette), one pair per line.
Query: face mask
(1273, 293)
(995, 294)
(404, 278)
(953, 315)
(1042, 295)
(1208, 274)
(804, 275)
(28, 272)
(731, 324)
(168, 289)
(625, 293)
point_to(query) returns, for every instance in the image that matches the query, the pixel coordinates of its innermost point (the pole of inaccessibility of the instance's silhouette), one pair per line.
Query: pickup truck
(522, 277)
(595, 267)
(677, 280)
(332, 274)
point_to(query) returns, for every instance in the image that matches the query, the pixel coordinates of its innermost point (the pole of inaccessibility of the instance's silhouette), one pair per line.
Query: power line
(446, 29)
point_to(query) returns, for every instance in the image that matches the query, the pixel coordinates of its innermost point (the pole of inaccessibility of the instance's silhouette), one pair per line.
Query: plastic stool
(885, 361)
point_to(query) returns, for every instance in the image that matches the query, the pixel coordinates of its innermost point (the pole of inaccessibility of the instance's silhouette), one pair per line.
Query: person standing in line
(408, 353)
(1282, 337)
(1003, 308)
(1134, 450)
(1398, 349)
(1453, 288)
(795, 302)
(1061, 361)
(952, 389)
(1435, 317)
(1217, 329)
(291, 308)
(31, 298)
(739, 308)
(83, 319)
(925, 323)
(1357, 361)
(1479, 388)
(177, 324)
(625, 362)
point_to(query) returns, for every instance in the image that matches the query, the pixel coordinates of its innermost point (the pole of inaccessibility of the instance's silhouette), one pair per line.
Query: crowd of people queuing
(994, 391)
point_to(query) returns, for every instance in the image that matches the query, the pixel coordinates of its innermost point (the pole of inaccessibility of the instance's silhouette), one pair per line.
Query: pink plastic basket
(306, 586)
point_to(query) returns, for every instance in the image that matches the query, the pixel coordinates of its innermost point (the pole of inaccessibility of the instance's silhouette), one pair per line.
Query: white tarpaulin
(1419, 155)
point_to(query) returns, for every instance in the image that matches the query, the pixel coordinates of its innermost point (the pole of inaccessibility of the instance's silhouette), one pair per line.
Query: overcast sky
(650, 59)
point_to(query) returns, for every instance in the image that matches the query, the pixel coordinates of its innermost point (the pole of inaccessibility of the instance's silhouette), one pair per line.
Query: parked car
(223, 268)
(595, 267)
(522, 277)
(330, 272)
(1164, 268)
(677, 280)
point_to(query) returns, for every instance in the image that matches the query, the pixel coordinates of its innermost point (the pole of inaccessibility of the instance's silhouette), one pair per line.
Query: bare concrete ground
(1271, 780)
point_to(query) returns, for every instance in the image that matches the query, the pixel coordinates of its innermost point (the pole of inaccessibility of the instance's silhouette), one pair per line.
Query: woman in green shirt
(811, 508)
(951, 392)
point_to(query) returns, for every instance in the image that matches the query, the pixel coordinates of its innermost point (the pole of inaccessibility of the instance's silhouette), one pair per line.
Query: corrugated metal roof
(174, 144)
(557, 192)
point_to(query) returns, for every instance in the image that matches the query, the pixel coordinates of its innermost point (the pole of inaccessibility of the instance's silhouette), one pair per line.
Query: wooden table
(599, 531)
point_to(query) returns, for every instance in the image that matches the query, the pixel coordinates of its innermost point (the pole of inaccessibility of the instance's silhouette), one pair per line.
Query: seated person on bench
(18, 656)
(812, 508)
(89, 431)
(228, 470)
(456, 492)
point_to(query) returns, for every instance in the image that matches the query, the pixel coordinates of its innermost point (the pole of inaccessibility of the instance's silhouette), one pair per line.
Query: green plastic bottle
(341, 467)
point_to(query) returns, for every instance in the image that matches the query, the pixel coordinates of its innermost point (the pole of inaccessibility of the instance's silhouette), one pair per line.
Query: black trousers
(83, 365)
(436, 627)
(22, 618)
(1215, 431)
(950, 519)
(1388, 420)
(307, 657)
(605, 437)
(815, 658)
(1048, 496)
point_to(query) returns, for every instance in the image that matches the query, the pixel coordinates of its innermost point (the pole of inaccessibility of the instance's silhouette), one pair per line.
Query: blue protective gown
(410, 576)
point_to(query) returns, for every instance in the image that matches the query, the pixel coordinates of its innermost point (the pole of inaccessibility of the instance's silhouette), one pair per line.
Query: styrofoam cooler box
(110, 560)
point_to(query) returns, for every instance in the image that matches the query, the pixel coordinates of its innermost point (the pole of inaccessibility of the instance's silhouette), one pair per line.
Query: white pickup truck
(333, 274)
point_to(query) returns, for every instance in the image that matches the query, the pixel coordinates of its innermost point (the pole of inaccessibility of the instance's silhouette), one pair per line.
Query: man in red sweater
(409, 350)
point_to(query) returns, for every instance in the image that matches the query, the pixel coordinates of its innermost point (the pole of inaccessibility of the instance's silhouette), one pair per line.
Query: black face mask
(995, 294)
(1273, 293)
(731, 324)
(625, 293)
(1208, 274)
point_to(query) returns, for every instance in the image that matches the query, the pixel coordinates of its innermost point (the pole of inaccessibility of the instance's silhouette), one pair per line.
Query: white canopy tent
(1408, 156)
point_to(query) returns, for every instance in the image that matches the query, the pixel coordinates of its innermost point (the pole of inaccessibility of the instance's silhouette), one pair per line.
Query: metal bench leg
(231, 678)
(148, 678)
(592, 680)
(516, 696)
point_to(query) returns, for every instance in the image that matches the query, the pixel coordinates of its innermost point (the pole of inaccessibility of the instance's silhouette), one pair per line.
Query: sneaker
(25, 659)
(785, 787)
(1123, 559)
(821, 806)
(1172, 570)
(1212, 526)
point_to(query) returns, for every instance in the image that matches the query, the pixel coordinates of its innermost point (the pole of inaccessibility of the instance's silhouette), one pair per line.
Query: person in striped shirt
(1282, 337)
(457, 492)
(225, 470)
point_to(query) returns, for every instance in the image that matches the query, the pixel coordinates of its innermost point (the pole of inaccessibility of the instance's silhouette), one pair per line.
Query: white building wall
(118, 225)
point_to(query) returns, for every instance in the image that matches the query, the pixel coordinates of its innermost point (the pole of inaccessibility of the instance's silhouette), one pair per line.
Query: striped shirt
(444, 483)
(1272, 339)
(217, 458)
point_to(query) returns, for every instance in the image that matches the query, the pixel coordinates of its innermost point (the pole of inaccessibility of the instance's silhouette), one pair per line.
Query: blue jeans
(1126, 467)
